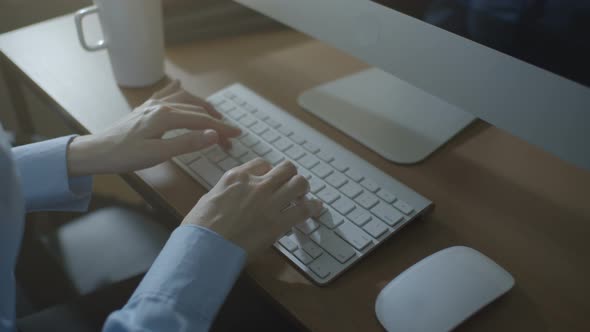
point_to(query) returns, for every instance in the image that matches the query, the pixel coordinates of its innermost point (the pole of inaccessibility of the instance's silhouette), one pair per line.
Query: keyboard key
(249, 108)
(309, 161)
(274, 157)
(297, 139)
(403, 207)
(324, 266)
(354, 175)
(228, 163)
(351, 189)
(322, 170)
(325, 156)
(306, 244)
(359, 216)
(370, 185)
(295, 152)
(367, 200)
(216, 101)
(388, 214)
(226, 107)
(248, 120)
(386, 196)
(285, 130)
(344, 205)
(229, 94)
(376, 228)
(236, 114)
(248, 156)
(282, 144)
(328, 195)
(187, 158)
(243, 132)
(249, 140)
(261, 149)
(260, 115)
(331, 219)
(270, 136)
(259, 128)
(338, 165)
(337, 180)
(206, 170)
(305, 173)
(239, 101)
(302, 256)
(237, 149)
(334, 245)
(287, 243)
(315, 185)
(353, 235)
(216, 154)
(272, 122)
(311, 147)
(308, 226)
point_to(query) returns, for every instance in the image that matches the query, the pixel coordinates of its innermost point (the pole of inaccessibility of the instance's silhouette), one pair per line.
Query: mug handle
(78, 18)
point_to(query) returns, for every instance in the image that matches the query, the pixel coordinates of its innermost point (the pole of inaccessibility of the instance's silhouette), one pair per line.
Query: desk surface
(525, 209)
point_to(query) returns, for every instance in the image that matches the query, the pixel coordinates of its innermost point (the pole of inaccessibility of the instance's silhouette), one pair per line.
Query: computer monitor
(521, 65)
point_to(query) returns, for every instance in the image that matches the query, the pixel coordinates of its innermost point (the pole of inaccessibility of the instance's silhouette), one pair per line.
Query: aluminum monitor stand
(391, 117)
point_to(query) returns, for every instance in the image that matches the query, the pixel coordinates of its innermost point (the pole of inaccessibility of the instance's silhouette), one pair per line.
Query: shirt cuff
(44, 177)
(195, 270)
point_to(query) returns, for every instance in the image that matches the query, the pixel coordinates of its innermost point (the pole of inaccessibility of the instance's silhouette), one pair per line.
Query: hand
(249, 206)
(136, 142)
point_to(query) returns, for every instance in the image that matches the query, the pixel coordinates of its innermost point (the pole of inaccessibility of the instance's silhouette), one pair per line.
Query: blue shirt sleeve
(34, 176)
(44, 177)
(186, 285)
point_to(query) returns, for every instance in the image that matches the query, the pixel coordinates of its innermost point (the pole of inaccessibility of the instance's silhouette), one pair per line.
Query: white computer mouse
(441, 291)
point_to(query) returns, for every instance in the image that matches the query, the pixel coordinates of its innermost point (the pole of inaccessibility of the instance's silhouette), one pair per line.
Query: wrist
(82, 156)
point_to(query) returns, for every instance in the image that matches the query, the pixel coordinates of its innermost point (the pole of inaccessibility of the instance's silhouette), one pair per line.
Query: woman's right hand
(252, 204)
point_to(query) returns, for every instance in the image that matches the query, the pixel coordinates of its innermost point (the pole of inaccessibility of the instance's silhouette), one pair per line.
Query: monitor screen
(551, 34)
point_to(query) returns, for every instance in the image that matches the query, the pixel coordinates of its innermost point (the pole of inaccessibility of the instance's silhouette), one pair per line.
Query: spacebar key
(207, 171)
(334, 245)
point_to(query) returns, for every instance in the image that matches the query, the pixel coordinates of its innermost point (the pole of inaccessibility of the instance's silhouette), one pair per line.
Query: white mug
(134, 37)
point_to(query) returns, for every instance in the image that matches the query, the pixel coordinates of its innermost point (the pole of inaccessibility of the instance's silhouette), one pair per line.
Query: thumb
(190, 142)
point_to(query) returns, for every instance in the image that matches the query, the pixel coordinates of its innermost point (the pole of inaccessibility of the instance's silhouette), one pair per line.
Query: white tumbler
(133, 36)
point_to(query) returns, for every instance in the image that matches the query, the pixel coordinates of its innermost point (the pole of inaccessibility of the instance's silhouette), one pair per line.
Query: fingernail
(210, 136)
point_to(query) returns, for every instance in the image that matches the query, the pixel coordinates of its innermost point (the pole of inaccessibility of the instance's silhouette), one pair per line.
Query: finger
(177, 119)
(189, 142)
(184, 97)
(296, 187)
(185, 107)
(279, 175)
(225, 143)
(304, 208)
(257, 167)
(167, 90)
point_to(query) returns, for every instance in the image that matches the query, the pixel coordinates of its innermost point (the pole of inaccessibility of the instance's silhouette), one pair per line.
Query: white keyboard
(364, 206)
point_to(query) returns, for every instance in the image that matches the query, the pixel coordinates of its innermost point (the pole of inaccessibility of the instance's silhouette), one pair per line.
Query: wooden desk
(525, 209)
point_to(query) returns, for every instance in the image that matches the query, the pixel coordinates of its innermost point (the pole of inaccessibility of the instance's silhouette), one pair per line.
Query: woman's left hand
(136, 141)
